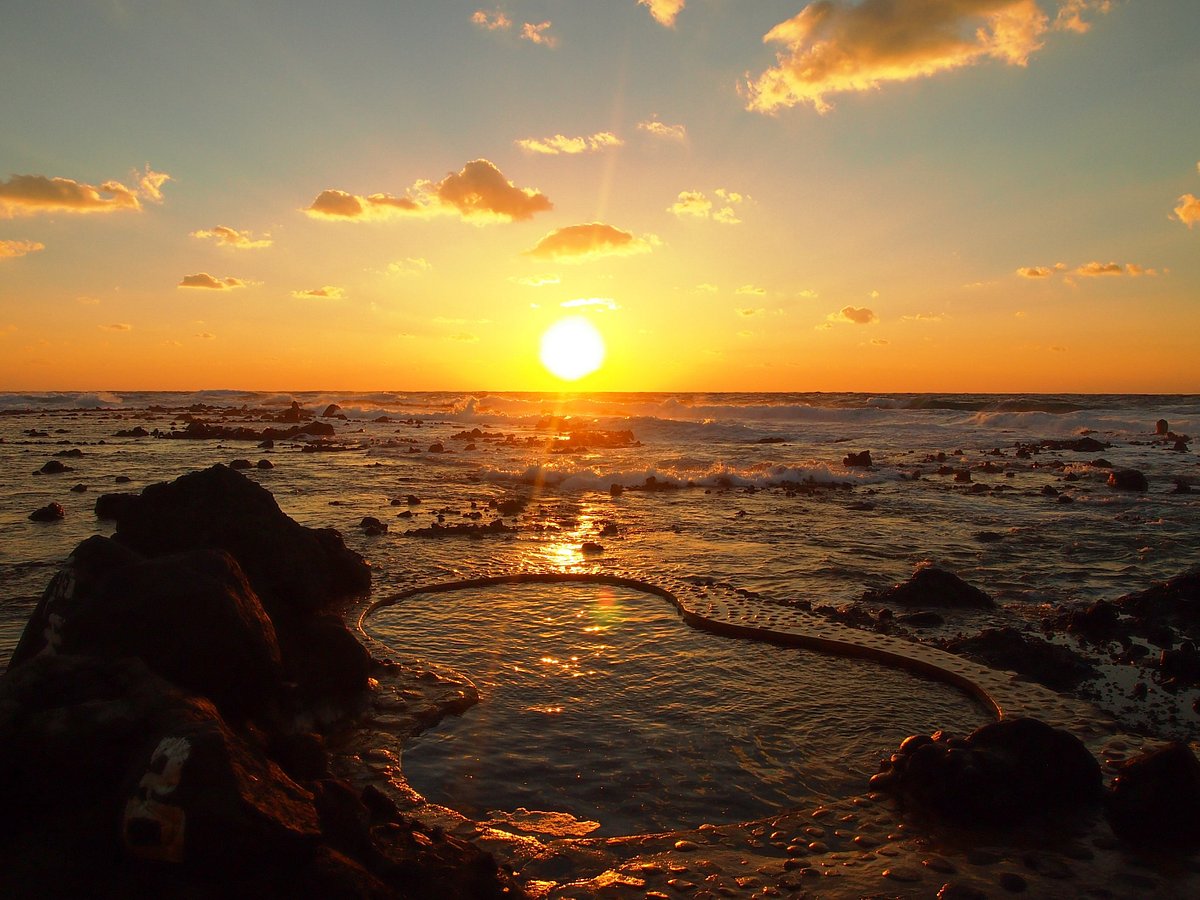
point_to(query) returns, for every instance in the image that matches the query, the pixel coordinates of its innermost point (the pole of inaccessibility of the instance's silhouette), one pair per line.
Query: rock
(1006, 648)
(921, 619)
(73, 453)
(1076, 445)
(1100, 621)
(122, 479)
(372, 526)
(1180, 445)
(110, 506)
(241, 464)
(264, 464)
(136, 432)
(857, 460)
(1174, 603)
(51, 512)
(294, 414)
(1002, 773)
(330, 411)
(437, 447)
(591, 548)
(53, 467)
(931, 586)
(79, 488)
(207, 800)
(191, 617)
(1161, 427)
(1127, 480)
(1155, 796)
(268, 444)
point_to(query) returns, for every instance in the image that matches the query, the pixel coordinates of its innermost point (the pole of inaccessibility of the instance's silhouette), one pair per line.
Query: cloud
(496, 20)
(696, 205)
(1099, 270)
(856, 315)
(706, 288)
(204, 280)
(328, 292)
(560, 143)
(412, 265)
(664, 11)
(1039, 271)
(477, 193)
(595, 302)
(539, 34)
(747, 312)
(578, 243)
(13, 249)
(27, 195)
(118, 326)
(536, 281)
(231, 237)
(923, 317)
(464, 338)
(751, 290)
(662, 130)
(1188, 209)
(205, 335)
(835, 46)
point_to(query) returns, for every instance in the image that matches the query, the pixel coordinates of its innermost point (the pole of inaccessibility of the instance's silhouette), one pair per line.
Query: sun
(572, 348)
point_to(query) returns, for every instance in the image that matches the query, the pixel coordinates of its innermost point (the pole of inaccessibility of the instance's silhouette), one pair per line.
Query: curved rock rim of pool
(629, 866)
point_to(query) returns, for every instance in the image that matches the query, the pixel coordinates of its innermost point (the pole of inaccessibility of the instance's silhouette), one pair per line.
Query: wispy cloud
(536, 281)
(561, 144)
(592, 302)
(26, 195)
(13, 249)
(1112, 269)
(116, 326)
(854, 315)
(664, 11)
(412, 265)
(749, 312)
(231, 237)
(328, 292)
(751, 290)
(539, 34)
(662, 130)
(697, 205)
(1035, 272)
(835, 46)
(478, 193)
(579, 243)
(496, 20)
(210, 282)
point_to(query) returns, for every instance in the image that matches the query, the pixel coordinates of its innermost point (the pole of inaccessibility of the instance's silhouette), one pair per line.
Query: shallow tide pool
(601, 703)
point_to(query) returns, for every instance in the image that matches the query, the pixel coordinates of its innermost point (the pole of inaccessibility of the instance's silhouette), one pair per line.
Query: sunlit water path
(599, 702)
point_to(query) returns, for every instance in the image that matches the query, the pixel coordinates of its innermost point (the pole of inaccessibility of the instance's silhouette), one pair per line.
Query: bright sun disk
(572, 348)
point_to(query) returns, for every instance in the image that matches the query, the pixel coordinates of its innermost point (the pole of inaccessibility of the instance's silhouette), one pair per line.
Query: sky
(840, 195)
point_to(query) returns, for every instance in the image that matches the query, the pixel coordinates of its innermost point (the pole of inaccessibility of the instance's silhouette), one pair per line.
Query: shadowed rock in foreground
(156, 719)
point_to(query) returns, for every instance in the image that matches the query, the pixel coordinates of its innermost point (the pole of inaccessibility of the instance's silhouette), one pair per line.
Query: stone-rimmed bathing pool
(599, 701)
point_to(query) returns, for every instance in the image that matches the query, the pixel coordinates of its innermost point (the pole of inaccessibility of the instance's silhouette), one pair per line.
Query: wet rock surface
(930, 586)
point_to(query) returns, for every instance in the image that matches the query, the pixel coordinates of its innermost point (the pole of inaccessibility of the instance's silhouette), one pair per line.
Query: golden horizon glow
(572, 348)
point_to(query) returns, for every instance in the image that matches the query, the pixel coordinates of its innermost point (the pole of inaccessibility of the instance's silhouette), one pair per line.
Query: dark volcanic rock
(1006, 648)
(1100, 621)
(1076, 445)
(288, 565)
(1155, 796)
(1005, 772)
(191, 617)
(110, 506)
(857, 460)
(1128, 480)
(135, 432)
(931, 586)
(196, 430)
(51, 512)
(53, 467)
(1174, 603)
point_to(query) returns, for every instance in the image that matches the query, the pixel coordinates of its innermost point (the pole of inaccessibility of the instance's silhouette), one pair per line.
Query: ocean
(755, 490)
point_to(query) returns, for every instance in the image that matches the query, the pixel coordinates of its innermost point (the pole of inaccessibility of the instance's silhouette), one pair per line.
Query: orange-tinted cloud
(577, 243)
(478, 193)
(855, 315)
(231, 237)
(13, 249)
(664, 11)
(1112, 269)
(496, 20)
(328, 292)
(211, 282)
(116, 326)
(26, 195)
(662, 130)
(539, 34)
(835, 46)
(1188, 210)
(561, 144)
(1035, 272)
(694, 204)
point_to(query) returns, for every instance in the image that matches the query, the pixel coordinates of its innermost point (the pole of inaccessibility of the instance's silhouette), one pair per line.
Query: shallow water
(602, 703)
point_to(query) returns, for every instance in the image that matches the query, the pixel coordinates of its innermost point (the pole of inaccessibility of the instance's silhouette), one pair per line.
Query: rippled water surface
(602, 703)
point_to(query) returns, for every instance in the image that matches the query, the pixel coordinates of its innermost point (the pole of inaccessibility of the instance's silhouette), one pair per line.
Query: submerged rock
(1128, 480)
(1007, 648)
(1003, 773)
(1174, 603)
(857, 460)
(51, 512)
(931, 586)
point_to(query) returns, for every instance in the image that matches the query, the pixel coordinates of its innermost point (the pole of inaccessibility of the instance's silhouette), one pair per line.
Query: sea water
(748, 489)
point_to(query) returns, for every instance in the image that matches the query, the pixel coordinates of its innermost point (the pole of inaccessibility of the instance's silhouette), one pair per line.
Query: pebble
(863, 841)
(814, 831)
(821, 812)
(796, 849)
(686, 846)
(938, 864)
(678, 884)
(818, 847)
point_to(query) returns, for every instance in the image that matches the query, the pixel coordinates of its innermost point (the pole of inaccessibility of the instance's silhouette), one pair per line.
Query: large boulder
(1053, 665)
(931, 586)
(290, 567)
(1002, 773)
(1155, 798)
(1174, 603)
(191, 617)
